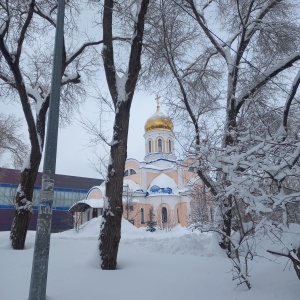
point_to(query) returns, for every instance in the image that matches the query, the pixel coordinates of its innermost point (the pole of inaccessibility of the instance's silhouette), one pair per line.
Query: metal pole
(39, 271)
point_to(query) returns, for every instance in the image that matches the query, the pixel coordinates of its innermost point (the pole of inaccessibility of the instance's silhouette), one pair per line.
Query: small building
(89, 208)
(67, 191)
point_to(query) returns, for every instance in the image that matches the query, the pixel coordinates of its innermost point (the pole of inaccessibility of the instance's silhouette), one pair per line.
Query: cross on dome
(157, 101)
(158, 121)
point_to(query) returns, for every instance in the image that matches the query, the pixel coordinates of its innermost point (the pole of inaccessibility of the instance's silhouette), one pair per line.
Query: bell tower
(159, 136)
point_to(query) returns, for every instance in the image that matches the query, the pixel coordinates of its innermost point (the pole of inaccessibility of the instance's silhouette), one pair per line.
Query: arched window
(159, 144)
(164, 215)
(192, 169)
(129, 172)
(149, 147)
(170, 146)
(142, 216)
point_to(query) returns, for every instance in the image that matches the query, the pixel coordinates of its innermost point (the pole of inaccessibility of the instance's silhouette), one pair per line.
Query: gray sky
(74, 154)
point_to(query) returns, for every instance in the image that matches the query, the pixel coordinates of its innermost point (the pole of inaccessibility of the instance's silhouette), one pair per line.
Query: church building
(158, 189)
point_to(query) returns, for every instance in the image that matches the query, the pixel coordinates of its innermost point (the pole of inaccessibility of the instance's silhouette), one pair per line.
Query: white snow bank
(169, 265)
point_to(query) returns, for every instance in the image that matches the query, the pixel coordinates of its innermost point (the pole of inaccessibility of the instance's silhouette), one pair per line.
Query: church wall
(157, 203)
(132, 165)
(151, 176)
(95, 194)
(183, 213)
(188, 175)
(135, 177)
(169, 221)
(135, 214)
(173, 174)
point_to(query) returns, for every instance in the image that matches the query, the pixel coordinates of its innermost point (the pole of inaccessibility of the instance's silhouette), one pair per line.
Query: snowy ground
(161, 265)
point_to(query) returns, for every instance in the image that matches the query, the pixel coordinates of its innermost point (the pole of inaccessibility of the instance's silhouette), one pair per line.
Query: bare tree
(25, 73)
(201, 207)
(121, 84)
(11, 139)
(129, 204)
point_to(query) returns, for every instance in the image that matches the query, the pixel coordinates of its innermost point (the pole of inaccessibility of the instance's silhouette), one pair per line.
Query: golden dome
(158, 121)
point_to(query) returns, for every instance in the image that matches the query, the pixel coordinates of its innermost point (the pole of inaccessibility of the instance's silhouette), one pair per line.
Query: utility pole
(39, 271)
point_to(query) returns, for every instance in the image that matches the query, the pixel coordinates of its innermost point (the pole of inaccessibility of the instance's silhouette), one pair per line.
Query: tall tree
(121, 84)
(251, 57)
(25, 59)
(245, 52)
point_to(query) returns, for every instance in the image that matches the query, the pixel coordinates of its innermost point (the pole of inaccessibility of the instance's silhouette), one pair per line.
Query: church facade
(158, 189)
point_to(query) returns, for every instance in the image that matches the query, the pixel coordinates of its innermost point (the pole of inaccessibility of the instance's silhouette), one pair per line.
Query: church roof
(158, 121)
(83, 205)
(131, 185)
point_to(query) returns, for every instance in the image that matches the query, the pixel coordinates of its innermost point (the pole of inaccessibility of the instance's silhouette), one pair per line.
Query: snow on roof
(163, 184)
(83, 205)
(154, 167)
(157, 114)
(93, 203)
(160, 165)
(131, 185)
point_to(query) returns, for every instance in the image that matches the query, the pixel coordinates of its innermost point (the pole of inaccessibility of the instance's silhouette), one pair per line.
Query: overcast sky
(74, 154)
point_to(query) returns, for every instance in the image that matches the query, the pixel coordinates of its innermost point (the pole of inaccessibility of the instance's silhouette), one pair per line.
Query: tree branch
(265, 77)
(23, 31)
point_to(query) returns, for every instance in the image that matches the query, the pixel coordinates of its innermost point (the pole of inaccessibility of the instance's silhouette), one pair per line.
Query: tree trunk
(23, 202)
(226, 204)
(122, 94)
(226, 211)
(110, 233)
(19, 228)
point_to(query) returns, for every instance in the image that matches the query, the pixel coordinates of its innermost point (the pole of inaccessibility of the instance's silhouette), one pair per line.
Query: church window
(192, 169)
(170, 146)
(164, 215)
(142, 216)
(129, 172)
(149, 147)
(178, 215)
(159, 144)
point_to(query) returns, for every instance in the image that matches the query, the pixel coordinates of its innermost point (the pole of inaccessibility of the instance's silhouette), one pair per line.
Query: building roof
(12, 176)
(83, 205)
(159, 121)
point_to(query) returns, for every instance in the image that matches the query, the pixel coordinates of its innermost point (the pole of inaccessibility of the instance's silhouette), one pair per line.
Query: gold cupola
(158, 121)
